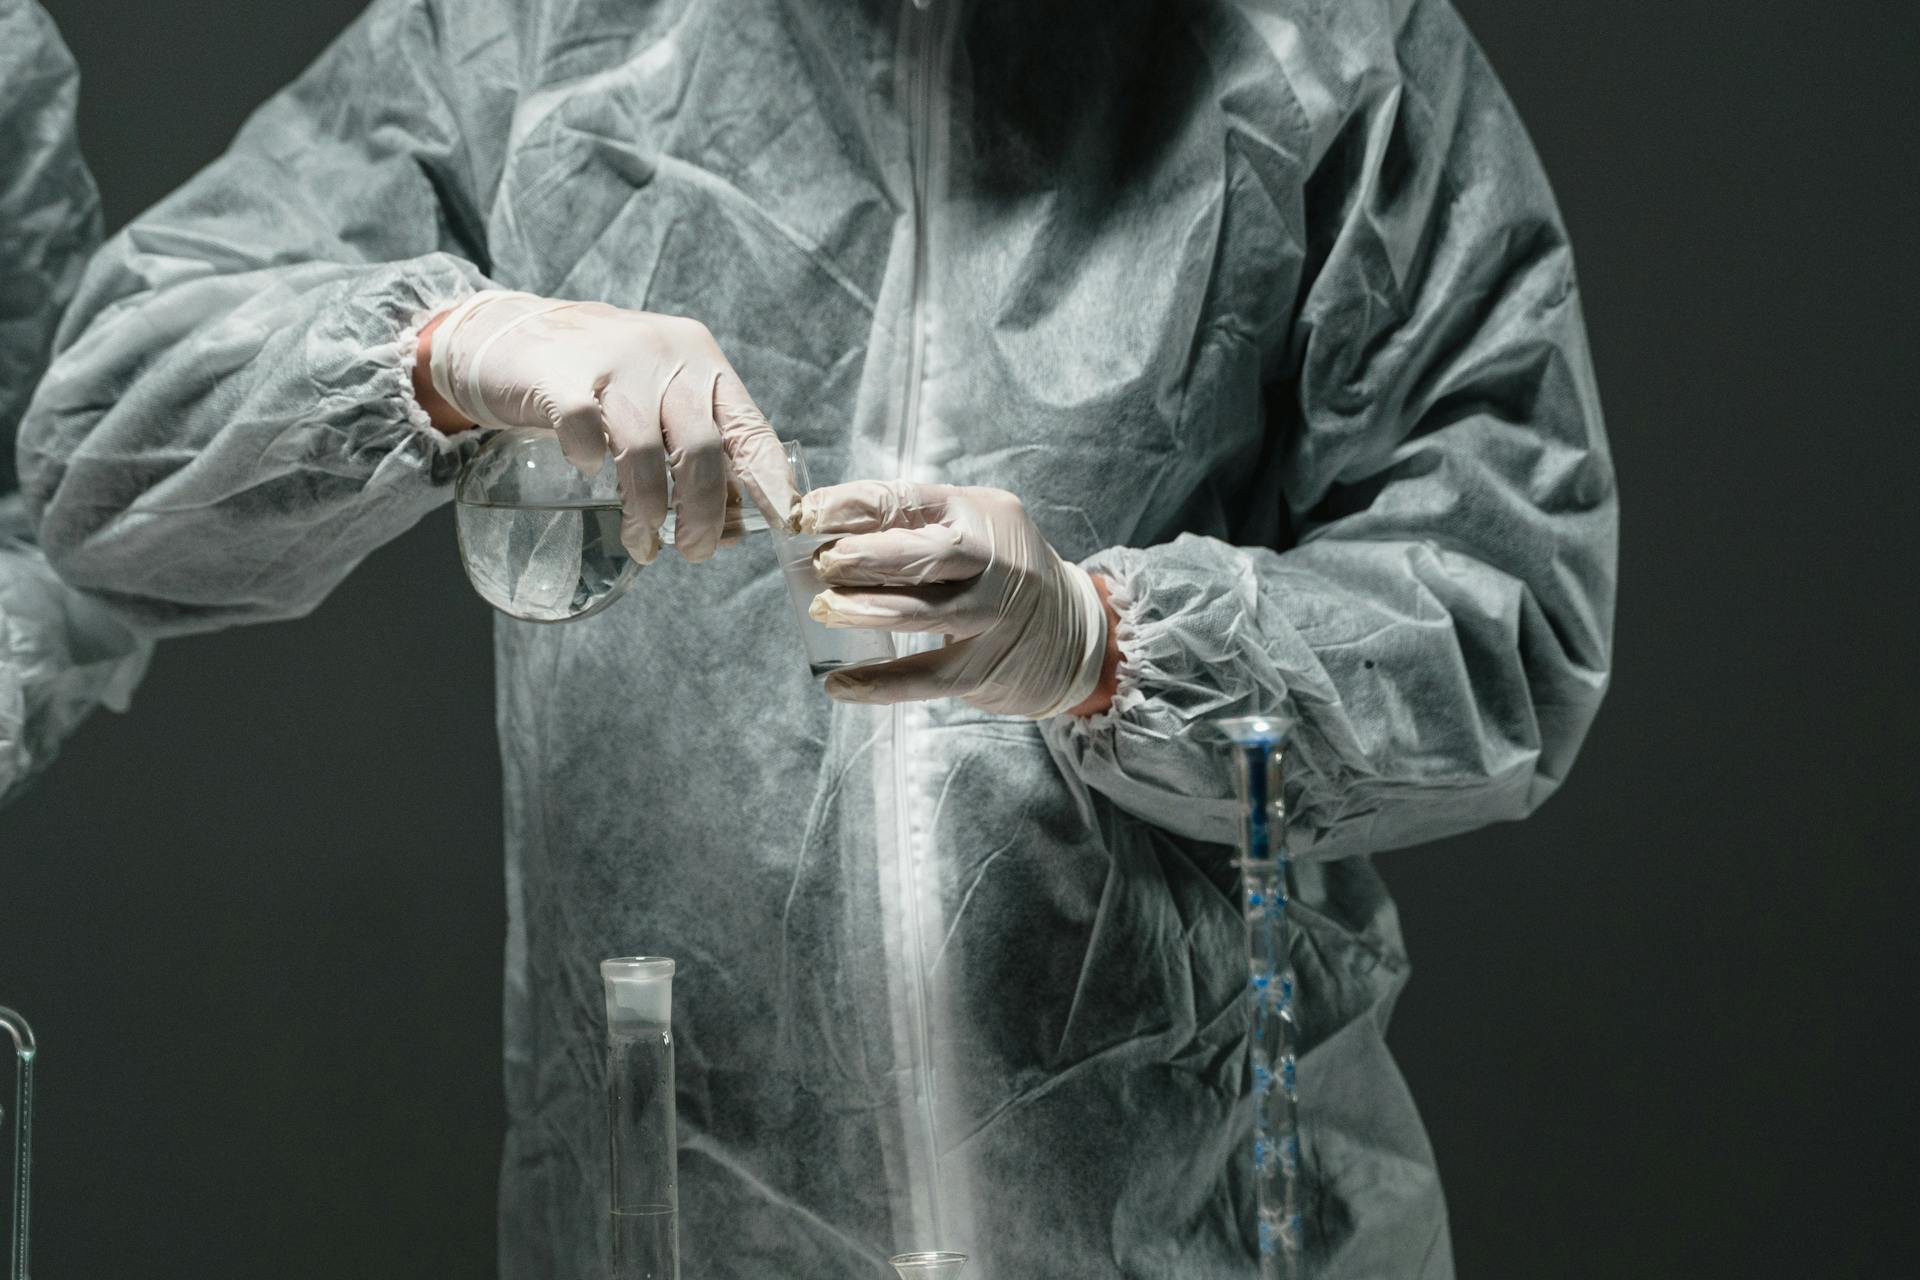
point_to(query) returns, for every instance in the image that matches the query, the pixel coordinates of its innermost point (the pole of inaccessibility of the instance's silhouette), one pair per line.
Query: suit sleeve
(228, 427)
(1437, 632)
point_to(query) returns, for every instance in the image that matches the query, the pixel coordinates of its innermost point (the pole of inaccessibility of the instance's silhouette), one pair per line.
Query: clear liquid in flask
(544, 563)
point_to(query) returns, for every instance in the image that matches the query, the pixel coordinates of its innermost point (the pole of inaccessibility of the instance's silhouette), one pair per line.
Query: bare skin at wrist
(1103, 693)
(444, 416)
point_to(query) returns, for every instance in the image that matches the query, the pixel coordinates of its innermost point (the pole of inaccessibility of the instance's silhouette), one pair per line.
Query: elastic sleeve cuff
(1126, 633)
(434, 293)
(1158, 663)
(1182, 613)
(408, 360)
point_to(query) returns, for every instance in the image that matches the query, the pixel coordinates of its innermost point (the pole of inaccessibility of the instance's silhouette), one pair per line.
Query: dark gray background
(1656, 1031)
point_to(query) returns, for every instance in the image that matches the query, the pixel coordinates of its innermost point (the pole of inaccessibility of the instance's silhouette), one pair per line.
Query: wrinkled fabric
(1263, 310)
(49, 209)
(60, 653)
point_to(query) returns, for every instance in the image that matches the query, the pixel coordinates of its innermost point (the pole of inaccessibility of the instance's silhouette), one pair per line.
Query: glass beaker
(828, 649)
(22, 1162)
(643, 1160)
(928, 1266)
(540, 538)
(1258, 753)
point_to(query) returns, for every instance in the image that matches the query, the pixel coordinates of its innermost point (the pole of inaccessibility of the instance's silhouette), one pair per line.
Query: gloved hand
(1027, 632)
(654, 389)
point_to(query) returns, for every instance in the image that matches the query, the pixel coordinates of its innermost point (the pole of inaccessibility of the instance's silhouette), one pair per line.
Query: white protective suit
(61, 654)
(1263, 310)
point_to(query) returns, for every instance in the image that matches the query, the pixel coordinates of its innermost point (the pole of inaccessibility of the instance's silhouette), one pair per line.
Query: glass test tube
(1273, 1042)
(22, 1163)
(644, 1204)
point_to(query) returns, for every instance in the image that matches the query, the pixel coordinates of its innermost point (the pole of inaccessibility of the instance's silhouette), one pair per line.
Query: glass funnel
(540, 538)
(22, 1162)
(642, 1128)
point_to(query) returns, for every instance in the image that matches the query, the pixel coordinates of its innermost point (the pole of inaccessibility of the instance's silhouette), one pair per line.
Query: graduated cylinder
(1258, 756)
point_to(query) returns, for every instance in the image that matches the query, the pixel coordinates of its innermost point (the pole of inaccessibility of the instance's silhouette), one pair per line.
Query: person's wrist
(1101, 699)
(440, 412)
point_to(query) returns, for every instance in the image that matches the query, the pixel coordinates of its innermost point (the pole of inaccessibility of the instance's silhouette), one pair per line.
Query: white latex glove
(653, 389)
(1026, 631)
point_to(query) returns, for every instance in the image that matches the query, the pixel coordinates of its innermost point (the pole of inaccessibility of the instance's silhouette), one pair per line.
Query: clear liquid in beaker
(828, 648)
(544, 564)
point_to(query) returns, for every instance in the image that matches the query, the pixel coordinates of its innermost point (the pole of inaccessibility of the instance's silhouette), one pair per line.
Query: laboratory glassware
(540, 538)
(928, 1266)
(644, 1201)
(828, 649)
(22, 1162)
(1258, 754)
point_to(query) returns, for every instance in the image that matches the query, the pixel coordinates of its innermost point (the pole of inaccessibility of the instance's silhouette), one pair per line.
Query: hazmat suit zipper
(927, 28)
